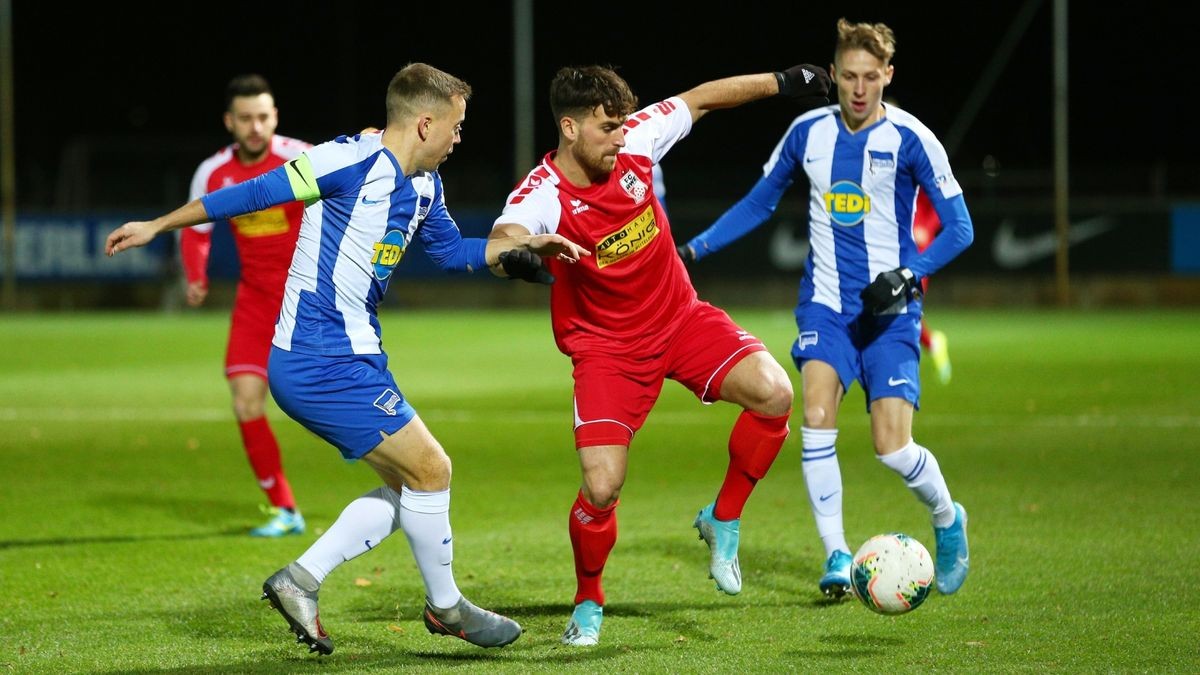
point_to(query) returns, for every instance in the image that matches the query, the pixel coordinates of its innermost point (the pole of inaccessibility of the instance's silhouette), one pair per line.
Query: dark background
(139, 87)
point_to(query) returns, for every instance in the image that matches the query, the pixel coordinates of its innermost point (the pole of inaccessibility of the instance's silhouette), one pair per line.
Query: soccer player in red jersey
(628, 315)
(926, 226)
(265, 242)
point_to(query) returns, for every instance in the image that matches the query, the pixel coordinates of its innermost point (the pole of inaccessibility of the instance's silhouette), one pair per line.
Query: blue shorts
(346, 400)
(882, 352)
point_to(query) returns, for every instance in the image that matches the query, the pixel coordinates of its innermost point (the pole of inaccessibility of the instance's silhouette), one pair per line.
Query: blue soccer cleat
(583, 630)
(836, 581)
(722, 539)
(282, 523)
(953, 558)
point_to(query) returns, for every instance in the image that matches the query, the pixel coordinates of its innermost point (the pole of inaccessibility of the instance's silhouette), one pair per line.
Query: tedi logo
(846, 203)
(388, 252)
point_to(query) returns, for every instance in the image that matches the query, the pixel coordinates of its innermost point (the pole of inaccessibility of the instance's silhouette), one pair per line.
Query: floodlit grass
(1073, 439)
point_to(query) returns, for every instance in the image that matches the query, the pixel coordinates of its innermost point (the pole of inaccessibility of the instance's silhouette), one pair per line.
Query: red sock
(924, 335)
(753, 446)
(593, 535)
(263, 451)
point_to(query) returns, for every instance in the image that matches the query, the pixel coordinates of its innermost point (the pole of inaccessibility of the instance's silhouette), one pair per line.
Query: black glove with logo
(889, 290)
(520, 263)
(686, 253)
(806, 84)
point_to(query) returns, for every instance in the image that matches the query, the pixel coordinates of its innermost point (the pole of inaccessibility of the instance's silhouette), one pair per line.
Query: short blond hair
(875, 38)
(420, 86)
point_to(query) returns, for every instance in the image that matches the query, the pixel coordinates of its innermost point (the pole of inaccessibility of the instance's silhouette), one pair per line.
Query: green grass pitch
(1073, 439)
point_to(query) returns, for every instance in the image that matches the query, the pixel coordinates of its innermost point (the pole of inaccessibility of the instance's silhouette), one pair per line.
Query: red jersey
(926, 223)
(265, 239)
(632, 292)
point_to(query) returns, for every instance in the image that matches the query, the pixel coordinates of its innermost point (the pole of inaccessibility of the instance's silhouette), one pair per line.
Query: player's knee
(815, 416)
(601, 491)
(773, 395)
(247, 408)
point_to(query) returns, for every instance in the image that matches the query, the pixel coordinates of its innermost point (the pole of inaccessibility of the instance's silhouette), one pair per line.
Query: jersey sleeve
(531, 206)
(443, 241)
(931, 167)
(199, 188)
(653, 130)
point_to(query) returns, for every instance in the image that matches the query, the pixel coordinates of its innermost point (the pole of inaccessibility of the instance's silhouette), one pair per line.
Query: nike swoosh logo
(368, 543)
(965, 562)
(370, 202)
(447, 540)
(896, 291)
(295, 164)
(810, 160)
(825, 497)
(893, 382)
(1011, 252)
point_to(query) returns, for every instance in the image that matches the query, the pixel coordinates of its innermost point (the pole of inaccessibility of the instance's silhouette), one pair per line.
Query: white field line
(699, 417)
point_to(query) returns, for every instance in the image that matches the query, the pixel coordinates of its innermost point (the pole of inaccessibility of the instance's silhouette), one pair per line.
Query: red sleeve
(193, 250)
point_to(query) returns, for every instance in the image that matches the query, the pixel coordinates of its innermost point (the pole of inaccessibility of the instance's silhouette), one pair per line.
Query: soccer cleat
(939, 351)
(290, 595)
(468, 622)
(836, 581)
(722, 539)
(282, 523)
(583, 630)
(953, 558)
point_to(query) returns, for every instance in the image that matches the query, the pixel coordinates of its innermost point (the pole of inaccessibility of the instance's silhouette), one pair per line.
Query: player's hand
(558, 246)
(686, 253)
(521, 263)
(197, 291)
(889, 290)
(806, 84)
(129, 235)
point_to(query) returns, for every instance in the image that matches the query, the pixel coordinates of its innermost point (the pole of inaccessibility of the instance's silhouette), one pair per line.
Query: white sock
(363, 524)
(823, 477)
(425, 517)
(921, 473)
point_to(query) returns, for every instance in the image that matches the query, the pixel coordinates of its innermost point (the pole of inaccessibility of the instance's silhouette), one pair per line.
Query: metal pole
(8, 163)
(522, 36)
(1062, 221)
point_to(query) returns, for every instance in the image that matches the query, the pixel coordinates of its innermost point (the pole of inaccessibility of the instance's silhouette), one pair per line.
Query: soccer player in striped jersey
(629, 317)
(265, 241)
(859, 312)
(368, 196)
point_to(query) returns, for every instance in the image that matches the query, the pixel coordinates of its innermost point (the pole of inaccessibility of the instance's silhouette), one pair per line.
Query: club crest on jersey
(388, 252)
(387, 401)
(807, 338)
(846, 203)
(423, 207)
(633, 186)
(636, 235)
(881, 160)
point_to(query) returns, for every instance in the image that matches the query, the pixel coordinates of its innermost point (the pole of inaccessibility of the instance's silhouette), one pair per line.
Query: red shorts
(615, 391)
(250, 332)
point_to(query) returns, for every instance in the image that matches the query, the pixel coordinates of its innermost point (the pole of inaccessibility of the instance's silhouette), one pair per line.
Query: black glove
(686, 253)
(806, 84)
(520, 263)
(889, 290)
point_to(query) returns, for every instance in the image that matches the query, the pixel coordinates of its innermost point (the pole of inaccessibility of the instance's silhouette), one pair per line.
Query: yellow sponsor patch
(262, 223)
(635, 236)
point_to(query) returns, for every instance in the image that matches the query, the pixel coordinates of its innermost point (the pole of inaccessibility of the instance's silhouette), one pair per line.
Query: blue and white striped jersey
(862, 195)
(361, 212)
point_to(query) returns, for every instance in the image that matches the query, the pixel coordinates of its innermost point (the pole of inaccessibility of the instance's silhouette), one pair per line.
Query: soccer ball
(891, 574)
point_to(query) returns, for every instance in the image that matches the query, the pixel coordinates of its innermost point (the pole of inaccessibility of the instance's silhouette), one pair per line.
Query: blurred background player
(265, 242)
(926, 226)
(629, 317)
(864, 163)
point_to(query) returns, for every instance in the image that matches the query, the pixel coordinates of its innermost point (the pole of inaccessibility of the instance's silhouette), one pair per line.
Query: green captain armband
(303, 179)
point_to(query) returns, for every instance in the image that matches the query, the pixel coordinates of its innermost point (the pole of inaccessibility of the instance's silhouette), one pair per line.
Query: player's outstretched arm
(806, 84)
(139, 233)
(515, 253)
